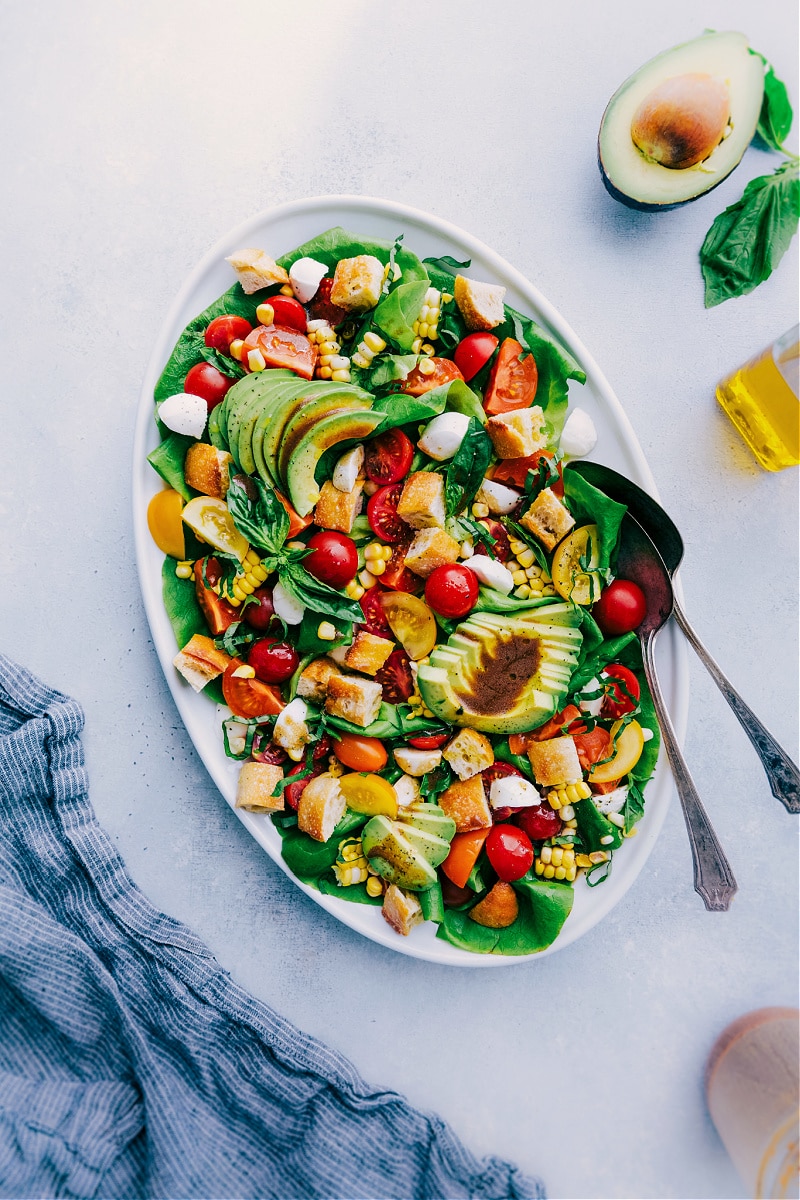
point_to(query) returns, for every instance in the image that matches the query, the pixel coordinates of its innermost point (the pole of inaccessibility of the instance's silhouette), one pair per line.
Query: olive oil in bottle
(761, 399)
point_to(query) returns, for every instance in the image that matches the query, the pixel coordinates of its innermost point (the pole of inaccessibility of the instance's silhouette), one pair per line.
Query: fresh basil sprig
(314, 594)
(748, 240)
(467, 468)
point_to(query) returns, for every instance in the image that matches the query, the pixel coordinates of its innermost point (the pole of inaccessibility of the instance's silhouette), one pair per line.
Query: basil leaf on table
(775, 118)
(466, 469)
(747, 241)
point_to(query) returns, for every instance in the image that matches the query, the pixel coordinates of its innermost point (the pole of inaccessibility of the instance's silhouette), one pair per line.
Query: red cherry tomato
(395, 677)
(249, 697)
(397, 575)
(360, 753)
(382, 514)
(226, 329)
(289, 313)
(502, 547)
(621, 608)
(429, 741)
(281, 348)
(510, 852)
(209, 383)
(513, 381)
(266, 751)
(499, 770)
(321, 308)
(387, 457)
(622, 697)
(539, 822)
(260, 612)
(374, 616)
(515, 471)
(333, 558)
(444, 371)
(273, 661)
(452, 590)
(293, 791)
(473, 352)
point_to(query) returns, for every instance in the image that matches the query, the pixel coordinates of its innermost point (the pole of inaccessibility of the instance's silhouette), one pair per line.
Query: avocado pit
(682, 120)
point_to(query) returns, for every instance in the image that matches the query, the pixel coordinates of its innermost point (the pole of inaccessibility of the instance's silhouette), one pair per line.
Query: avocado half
(638, 180)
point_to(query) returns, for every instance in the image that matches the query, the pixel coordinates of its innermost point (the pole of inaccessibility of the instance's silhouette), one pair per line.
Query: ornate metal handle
(783, 775)
(713, 877)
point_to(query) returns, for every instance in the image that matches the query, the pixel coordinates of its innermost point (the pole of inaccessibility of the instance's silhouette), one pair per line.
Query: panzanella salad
(380, 563)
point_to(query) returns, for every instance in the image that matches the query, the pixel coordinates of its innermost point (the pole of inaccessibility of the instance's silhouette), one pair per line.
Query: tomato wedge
(374, 616)
(219, 614)
(464, 851)
(397, 575)
(388, 457)
(281, 348)
(395, 677)
(296, 523)
(513, 381)
(444, 371)
(249, 697)
(515, 471)
(382, 515)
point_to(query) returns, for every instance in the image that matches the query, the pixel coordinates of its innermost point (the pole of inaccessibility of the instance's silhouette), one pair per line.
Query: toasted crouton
(421, 503)
(416, 762)
(257, 782)
(200, 661)
(548, 519)
(401, 909)
(367, 652)
(207, 469)
(357, 283)
(480, 304)
(517, 434)
(555, 761)
(468, 753)
(431, 548)
(321, 807)
(498, 909)
(256, 269)
(465, 803)
(336, 509)
(353, 699)
(312, 683)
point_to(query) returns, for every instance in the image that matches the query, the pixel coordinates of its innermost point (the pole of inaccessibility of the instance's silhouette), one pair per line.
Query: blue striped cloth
(131, 1065)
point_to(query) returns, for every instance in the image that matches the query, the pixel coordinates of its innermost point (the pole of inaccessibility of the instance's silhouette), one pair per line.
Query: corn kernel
(526, 557)
(598, 856)
(516, 546)
(524, 592)
(616, 819)
(342, 375)
(361, 361)
(326, 631)
(246, 586)
(326, 360)
(583, 861)
(373, 550)
(378, 567)
(557, 856)
(329, 348)
(549, 872)
(426, 367)
(244, 672)
(422, 329)
(607, 840)
(287, 290)
(561, 873)
(433, 331)
(374, 343)
(185, 569)
(538, 866)
(235, 349)
(571, 873)
(571, 823)
(265, 313)
(432, 296)
(374, 886)
(546, 854)
(354, 590)
(237, 595)
(631, 832)
(447, 298)
(256, 360)
(366, 578)
(566, 812)
(324, 372)
(415, 326)
(416, 345)
(317, 323)
(533, 572)
(480, 510)
(518, 577)
(426, 347)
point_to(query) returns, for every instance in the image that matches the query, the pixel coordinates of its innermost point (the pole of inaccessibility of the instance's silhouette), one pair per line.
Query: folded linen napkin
(131, 1065)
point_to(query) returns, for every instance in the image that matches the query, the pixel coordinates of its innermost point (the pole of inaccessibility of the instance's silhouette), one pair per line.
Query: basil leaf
(747, 241)
(448, 264)
(262, 520)
(775, 118)
(633, 810)
(467, 468)
(316, 595)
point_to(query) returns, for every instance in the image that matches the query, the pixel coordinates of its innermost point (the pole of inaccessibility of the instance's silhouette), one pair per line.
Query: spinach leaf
(391, 722)
(432, 903)
(401, 409)
(591, 664)
(458, 397)
(389, 368)
(314, 594)
(185, 616)
(307, 641)
(167, 459)
(544, 906)
(520, 761)
(261, 518)
(593, 827)
(747, 241)
(465, 471)
(493, 601)
(775, 118)
(396, 313)
(589, 505)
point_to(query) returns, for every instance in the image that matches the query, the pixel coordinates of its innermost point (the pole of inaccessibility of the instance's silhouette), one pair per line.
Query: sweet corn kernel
(244, 672)
(378, 567)
(524, 592)
(422, 329)
(631, 832)
(516, 546)
(426, 367)
(480, 510)
(324, 372)
(373, 342)
(416, 345)
(184, 570)
(235, 349)
(374, 886)
(366, 578)
(526, 557)
(256, 360)
(373, 550)
(518, 577)
(583, 861)
(329, 348)
(561, 873)
(287, 290)
(361, 360)
(326, 631)
(265, 313)
(616, 819)
(607, 840)
(354, 590)
(549, 872)
(567, 812)
(598, 856)
(533, 572)
(426, 348)
(341, 375)
(433, 331)
(546, 854)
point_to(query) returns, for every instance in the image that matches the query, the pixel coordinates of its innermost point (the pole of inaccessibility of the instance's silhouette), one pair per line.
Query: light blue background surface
(134, 137)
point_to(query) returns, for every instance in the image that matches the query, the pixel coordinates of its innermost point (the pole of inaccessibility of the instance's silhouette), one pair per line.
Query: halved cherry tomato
(444, 371)
(219, 614)
(464, 851)
(273, 661)
(293, 791)
(515, 471)
(382, 514)
(621, 697)
(452, 590)
(395, 677)
(501, 548)
(512, 383)
(539, 822)
(296, 523)
(360, 753)
(473, 352)
(388, 456)
(510, 852)
(499, 770)
(621, 608)
(429, 741)
(209, 383)
(592, 746)
(260, 612)
(289, 313)
(249, 697)
(226, 329)
(397, 575)
(281, 348)
(374, 616)
(369, 794)
(264, 750)
(333, 558)
(321, 308)
(411, 622)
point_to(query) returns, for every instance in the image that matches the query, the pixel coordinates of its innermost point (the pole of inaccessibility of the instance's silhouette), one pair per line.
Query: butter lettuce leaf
(544, 906)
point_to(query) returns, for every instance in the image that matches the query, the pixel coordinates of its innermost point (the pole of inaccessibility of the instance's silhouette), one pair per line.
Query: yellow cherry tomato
(411, 621)
(164, 522)
(628, 749)
(572, 569)
(210, 519)
(369, 794)
(360, 753)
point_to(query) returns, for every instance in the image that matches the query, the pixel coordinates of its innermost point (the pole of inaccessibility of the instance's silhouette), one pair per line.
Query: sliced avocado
(343, 427)
(503, 674)
(263, 403)
(670, 106)
(393, 856)
(270, 426)
(428, 817)
(306, 417)
(237, 401)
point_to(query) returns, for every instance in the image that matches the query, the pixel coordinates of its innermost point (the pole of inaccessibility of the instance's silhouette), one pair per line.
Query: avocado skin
(641, 206)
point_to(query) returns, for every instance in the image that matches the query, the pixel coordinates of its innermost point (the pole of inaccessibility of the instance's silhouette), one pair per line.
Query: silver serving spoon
(639, 561)
(783, 775)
